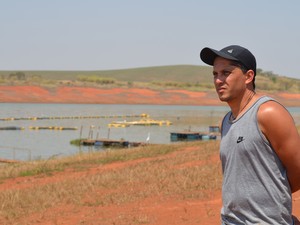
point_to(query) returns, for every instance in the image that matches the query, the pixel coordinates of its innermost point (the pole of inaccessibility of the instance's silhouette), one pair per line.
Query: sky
(119, 34)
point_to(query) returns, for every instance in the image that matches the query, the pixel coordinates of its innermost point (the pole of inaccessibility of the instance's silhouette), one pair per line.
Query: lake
(93, 119)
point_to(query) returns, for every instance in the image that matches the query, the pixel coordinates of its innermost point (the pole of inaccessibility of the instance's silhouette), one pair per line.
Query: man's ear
(249, 76)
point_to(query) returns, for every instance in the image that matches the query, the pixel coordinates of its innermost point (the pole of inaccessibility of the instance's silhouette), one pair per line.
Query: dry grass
(150, 171)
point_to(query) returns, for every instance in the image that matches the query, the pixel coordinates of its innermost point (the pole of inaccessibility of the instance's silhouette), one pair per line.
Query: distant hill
(176, 73)
(189, 77)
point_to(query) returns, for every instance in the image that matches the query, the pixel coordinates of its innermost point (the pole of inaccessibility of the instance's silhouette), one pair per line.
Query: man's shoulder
(272, 112)
(269, 105)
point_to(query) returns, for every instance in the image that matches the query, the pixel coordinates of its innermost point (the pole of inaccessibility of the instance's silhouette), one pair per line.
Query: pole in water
(90, 136)
(108, 133)
(98, 133)
(80, 134)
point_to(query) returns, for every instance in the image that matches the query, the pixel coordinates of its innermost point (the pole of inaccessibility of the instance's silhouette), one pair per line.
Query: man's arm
(279, 128)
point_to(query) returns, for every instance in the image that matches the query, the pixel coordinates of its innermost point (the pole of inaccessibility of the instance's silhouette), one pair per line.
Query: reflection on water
(34, 144)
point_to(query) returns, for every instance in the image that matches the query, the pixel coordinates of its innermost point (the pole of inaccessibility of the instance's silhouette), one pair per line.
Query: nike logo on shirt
(240, 139)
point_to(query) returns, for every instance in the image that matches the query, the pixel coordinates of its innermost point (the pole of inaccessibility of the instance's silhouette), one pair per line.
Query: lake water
(31, 144)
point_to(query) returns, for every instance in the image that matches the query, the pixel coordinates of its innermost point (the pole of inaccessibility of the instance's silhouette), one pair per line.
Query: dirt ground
(154, 211)
(157, 210)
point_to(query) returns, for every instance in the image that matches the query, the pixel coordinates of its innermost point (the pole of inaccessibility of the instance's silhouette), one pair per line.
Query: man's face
(229, 80)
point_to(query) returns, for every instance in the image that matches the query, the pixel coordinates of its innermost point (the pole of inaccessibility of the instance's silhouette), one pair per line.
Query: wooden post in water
(108, 133)
(97, 137)
(80, 134)
(90, 136)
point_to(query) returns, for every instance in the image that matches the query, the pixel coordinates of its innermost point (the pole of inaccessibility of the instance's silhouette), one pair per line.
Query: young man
(260, 145)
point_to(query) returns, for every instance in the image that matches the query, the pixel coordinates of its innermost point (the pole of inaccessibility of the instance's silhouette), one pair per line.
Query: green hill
(176, 73)
(178, 76)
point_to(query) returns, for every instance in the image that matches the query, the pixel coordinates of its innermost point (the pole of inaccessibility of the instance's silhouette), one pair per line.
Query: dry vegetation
(185, 77)
(100, 180)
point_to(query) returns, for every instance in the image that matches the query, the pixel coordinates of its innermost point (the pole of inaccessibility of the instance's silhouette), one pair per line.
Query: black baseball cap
(232, 52)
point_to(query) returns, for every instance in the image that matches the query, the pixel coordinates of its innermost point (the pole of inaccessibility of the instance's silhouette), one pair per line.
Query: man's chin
(222, 98)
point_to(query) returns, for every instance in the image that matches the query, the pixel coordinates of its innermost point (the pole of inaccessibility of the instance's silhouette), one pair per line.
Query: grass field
(185, 171)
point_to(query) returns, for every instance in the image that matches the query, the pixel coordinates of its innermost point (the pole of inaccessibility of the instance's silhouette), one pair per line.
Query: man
(260, 145)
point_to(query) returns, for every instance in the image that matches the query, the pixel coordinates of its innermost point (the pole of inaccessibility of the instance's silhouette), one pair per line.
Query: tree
(17, 76)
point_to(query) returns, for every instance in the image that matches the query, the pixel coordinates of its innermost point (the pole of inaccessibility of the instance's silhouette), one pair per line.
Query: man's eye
(227, 73)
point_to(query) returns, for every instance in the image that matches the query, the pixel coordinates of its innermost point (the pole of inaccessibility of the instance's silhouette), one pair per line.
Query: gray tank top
(255, 185)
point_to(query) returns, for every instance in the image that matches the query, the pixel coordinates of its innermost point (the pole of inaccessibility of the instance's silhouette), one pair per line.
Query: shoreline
(92, 95)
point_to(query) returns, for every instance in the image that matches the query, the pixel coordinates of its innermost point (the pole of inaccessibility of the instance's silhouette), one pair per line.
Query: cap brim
(208, 55)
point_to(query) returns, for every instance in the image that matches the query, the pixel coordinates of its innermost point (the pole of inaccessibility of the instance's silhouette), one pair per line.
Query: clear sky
(119, 34)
